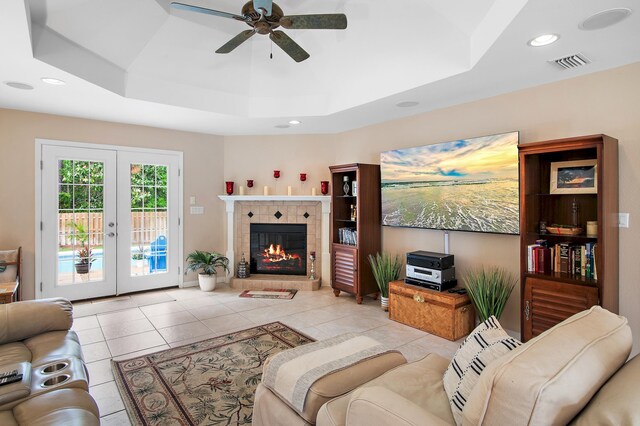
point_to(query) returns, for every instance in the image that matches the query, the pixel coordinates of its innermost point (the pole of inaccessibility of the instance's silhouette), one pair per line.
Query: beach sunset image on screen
(466, 185)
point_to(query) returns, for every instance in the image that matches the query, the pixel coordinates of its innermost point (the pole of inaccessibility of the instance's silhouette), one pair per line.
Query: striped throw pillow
(485, 344)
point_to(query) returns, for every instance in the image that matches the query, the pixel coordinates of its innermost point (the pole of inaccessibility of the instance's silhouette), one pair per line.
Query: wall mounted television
(464, 185)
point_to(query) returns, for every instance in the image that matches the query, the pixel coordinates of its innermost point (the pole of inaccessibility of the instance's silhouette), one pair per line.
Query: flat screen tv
(463, 185)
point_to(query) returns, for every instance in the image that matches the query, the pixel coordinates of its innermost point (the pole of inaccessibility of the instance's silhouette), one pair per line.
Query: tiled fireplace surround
(242, 211)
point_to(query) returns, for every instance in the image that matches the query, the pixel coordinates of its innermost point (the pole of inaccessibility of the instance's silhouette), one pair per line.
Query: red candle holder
(229, 187)
(303, 177)
(276, 174)
(324, 187)
(250, 183)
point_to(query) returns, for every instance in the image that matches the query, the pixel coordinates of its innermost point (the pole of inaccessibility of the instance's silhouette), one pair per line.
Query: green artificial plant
(207, 262)
(489, 290)
(386, 268)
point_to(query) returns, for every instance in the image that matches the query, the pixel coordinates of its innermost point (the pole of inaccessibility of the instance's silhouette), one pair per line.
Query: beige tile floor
(128, 326)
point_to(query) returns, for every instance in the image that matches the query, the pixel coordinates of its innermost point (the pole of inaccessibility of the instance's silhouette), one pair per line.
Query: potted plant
(207, 262)
(386, 268)
(489, 289)
(138, 257)
(84, 253)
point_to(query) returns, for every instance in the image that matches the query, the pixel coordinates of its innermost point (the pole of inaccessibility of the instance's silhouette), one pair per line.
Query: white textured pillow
(484, 345)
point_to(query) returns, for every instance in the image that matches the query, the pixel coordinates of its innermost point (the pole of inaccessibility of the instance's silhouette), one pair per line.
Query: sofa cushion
(17, 390)
(617, 402)
(486, 343)
(551, 378)
(344, 380)
(419, 382)
(53, 345)
(7, 419)
(14, 352)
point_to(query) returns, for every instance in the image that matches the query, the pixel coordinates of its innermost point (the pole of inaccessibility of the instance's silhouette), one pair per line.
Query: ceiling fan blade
(290, 47)
(236, 41)
(263, 4)
(334, 21)
(190, 8)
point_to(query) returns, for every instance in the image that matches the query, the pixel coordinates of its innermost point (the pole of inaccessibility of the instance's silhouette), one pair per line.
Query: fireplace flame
(277, 254)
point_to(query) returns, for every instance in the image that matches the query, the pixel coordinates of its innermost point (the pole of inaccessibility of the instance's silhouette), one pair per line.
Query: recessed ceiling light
(294, 122)
(543, 40)
(282, 126)
(604, 19)
(18, 85)
(54, 81)
(407, 104)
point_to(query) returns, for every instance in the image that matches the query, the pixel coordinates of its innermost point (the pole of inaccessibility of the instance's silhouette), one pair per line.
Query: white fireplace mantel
(230, 201)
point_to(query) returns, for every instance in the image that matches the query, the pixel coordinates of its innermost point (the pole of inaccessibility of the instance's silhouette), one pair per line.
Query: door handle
(111, 234)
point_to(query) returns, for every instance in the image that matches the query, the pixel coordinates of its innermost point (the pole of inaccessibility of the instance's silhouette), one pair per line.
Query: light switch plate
(623, 220)
(192, 200)
(197, 210)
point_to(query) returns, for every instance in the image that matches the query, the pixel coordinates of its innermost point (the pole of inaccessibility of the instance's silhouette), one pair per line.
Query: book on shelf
(573, 259)
(348, 236)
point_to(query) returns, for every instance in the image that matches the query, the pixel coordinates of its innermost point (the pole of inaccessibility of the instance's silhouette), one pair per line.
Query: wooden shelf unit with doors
(350, 270)
(549, 298)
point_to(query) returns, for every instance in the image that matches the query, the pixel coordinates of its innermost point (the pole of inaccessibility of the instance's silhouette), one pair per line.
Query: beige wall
(606, 102)
(18, 131)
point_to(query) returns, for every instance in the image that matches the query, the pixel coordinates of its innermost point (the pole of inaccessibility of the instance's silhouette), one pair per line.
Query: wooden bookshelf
(549, 298)
(350, 270)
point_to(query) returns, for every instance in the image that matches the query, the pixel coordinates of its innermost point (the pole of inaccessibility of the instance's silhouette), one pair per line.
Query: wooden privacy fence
(145, 227)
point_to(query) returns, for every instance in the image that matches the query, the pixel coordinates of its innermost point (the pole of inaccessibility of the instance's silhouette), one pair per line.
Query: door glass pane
(148, 219)
(80, 221)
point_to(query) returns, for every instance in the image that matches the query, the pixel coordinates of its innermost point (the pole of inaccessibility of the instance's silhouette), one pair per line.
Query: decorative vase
(303, 177)
(229, 187)
(249, 183)
(207, 282)
(384, 303)
(276, 174)
(312, 258)
(345, 187)
(324, 187)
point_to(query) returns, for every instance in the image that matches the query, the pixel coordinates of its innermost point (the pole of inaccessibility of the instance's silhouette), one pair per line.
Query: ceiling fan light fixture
(54, 81)
(295, 122)
(407, 104)
(543, 40)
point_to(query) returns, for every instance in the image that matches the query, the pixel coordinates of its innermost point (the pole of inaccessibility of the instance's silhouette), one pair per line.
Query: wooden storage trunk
(444, 314)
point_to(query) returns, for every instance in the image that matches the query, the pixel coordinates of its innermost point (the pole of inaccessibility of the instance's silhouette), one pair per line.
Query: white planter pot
(384, 303)
(207, 282)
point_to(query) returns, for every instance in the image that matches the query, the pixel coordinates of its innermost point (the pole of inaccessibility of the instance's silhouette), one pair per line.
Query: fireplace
(278, 248)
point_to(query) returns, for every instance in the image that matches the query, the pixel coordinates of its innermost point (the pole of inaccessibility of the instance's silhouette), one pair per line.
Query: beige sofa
(35, 339)
(556, 378)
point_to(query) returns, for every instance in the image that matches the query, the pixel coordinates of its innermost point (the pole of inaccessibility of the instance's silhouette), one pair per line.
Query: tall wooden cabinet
(355, 235)
(548, 298)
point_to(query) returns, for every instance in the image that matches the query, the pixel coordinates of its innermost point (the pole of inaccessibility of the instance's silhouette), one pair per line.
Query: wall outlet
(197, 210)
(623, 220)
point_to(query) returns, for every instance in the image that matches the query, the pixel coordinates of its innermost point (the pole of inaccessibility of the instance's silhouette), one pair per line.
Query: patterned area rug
(270, 293)
(210, 382)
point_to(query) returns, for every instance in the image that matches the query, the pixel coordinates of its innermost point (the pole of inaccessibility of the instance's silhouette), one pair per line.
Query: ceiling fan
(264, 16)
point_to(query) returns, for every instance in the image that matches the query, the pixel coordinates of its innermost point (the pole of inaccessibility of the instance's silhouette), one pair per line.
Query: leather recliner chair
(36, 340)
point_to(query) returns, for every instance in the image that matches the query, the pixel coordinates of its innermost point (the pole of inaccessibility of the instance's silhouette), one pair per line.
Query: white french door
(78, 222)
(109, 221)
(148, 221)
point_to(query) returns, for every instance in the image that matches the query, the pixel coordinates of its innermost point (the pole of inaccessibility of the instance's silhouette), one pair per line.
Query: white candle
(313, 192)
(289, 190)
(266, 190)
(242, 190)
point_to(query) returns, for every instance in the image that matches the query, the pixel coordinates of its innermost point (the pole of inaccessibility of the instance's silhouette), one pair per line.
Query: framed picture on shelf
(574, 177)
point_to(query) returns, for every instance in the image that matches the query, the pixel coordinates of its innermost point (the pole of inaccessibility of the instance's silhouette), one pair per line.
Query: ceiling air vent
(571, 61)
